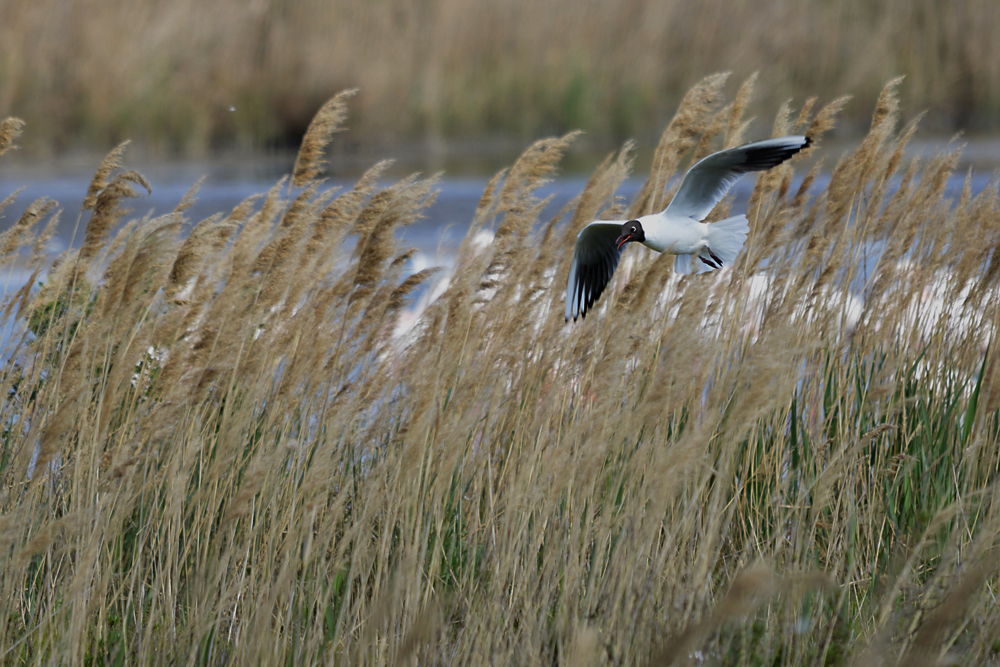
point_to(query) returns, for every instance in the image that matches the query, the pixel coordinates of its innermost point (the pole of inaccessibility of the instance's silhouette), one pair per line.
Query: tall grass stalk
(220, 443)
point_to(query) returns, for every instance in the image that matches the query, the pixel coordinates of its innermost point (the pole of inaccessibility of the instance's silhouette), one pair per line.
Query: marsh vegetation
(220, 446)
(191, 77)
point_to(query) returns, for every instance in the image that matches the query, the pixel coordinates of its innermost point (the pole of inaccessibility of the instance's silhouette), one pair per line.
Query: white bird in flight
(678, 229)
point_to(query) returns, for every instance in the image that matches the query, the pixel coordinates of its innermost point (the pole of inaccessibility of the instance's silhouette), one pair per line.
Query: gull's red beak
(622, 240)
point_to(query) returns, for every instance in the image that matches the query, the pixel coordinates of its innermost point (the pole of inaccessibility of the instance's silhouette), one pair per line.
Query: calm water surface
(437, 236)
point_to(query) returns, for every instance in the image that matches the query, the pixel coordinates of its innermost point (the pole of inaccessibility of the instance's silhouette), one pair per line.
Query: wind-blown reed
(225, 448)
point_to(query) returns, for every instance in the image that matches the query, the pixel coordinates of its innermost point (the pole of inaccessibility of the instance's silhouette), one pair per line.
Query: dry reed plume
(225, 447)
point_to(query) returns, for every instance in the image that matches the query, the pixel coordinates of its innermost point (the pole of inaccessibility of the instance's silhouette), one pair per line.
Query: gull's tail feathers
(726, 237)
(724, 241)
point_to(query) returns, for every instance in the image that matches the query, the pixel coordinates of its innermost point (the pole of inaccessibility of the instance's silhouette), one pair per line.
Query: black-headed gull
(678, 229)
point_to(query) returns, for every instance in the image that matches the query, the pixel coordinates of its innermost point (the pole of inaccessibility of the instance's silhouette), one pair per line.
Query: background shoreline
(193, 78)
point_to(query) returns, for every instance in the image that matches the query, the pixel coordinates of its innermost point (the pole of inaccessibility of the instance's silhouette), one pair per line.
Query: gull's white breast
(674, 235)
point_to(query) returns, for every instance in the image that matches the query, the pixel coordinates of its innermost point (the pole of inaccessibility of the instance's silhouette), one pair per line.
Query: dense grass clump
(220, 444)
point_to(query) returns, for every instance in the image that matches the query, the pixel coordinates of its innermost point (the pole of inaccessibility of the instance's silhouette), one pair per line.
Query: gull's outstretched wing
(594, 261)
(707, 182)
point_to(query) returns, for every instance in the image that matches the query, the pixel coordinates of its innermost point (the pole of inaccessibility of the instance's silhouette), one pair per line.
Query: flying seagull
(678, 229)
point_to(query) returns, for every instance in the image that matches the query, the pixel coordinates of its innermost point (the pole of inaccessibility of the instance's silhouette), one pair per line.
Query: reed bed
(220, 446)
(192, 77)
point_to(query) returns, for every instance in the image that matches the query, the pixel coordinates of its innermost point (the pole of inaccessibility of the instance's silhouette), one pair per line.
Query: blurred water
(437, 236)
(439, 233)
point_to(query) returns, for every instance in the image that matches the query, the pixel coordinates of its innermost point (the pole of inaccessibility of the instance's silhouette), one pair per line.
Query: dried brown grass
(317, 137)
(10, 130)
(218, 449)
(168, 76)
